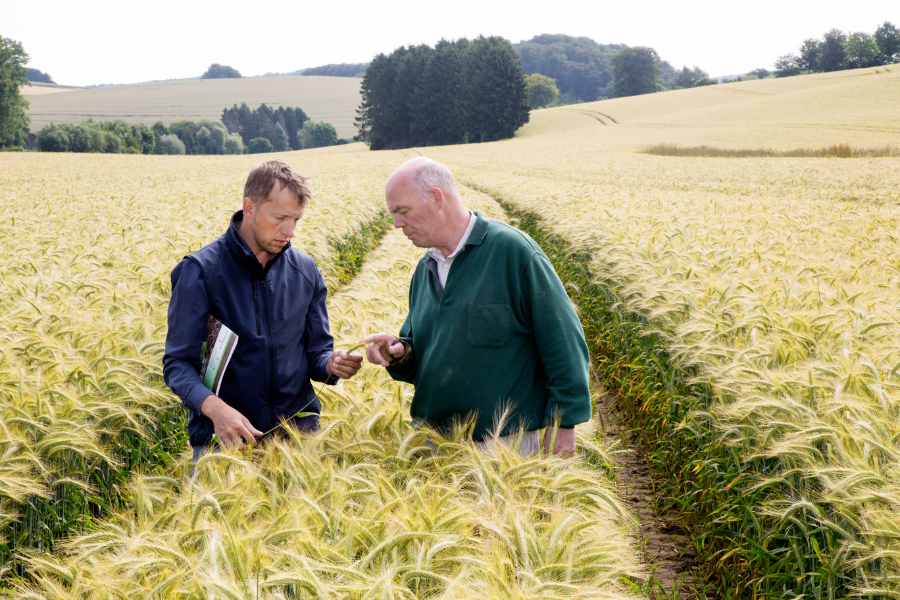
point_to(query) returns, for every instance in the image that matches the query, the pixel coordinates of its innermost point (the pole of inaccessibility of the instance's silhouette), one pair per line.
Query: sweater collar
(479, 231)
(239, 248)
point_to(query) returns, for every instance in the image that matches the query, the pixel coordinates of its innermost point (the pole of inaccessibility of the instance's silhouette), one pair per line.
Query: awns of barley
(87, 253)
(363, 509)
(774, 285)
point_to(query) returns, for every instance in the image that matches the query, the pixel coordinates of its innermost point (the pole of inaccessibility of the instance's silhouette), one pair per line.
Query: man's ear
(248, 207)
(437, 196)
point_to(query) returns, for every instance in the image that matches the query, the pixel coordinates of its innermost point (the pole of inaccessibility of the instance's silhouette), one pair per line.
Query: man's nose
(288, 230)
(398, 222)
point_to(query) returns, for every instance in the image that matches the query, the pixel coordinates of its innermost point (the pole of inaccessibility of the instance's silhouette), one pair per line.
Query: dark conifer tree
(497, 97)
(460, 91)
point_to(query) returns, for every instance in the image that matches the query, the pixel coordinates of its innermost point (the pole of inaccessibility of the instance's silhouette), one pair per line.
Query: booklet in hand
(218, 346)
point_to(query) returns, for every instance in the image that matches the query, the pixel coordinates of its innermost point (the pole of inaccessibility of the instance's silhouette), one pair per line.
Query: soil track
(664, 543)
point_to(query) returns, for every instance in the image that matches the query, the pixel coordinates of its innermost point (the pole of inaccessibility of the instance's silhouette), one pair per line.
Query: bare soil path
(664, 543)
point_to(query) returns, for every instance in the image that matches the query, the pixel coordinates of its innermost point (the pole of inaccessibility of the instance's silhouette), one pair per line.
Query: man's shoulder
(302, 262)
(510, 239)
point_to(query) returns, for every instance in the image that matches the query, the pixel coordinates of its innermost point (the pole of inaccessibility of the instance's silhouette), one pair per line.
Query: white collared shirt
(444, 262)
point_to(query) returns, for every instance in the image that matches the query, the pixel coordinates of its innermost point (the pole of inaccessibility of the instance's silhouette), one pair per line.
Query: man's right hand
(383, 348)
(231, 426)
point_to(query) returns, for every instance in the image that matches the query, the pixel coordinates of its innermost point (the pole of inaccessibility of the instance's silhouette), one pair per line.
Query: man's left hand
(564, 442)
(343, 365)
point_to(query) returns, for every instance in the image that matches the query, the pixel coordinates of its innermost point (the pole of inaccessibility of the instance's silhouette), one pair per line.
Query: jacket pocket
(488, 325)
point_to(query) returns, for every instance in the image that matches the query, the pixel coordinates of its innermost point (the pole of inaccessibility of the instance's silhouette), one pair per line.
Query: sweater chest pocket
(488, 325)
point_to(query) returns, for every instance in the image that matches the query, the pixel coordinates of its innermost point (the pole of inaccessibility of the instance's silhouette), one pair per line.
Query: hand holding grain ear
(343, 364)
(232, 428)
(383, 348)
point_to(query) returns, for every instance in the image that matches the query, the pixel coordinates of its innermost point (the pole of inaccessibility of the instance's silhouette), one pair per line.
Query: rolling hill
(331, 99)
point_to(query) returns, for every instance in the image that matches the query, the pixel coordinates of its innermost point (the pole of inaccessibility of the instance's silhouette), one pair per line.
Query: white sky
(104, 41)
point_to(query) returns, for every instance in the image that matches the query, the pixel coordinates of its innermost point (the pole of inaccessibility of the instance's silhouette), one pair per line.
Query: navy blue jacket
(280, 317)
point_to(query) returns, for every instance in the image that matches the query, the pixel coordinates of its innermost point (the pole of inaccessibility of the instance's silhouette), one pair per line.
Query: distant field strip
(331, 99)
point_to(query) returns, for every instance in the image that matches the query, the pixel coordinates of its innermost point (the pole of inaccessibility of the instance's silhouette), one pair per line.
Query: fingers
(344, 365)
(377, 352)
(251, 429)
(397, 349)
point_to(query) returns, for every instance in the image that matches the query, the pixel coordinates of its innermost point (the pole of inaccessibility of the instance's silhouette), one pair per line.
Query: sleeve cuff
(195, 397)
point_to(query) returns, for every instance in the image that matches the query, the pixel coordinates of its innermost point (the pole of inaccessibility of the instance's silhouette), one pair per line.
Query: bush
(171, 144)
(259, 146)
(53, 138)
(234, 144)
(318, 134)
(542, 91)
(704, 81)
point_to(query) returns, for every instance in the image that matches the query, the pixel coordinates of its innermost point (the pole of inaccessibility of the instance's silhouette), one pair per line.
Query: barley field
(764, 290)
(331, 99)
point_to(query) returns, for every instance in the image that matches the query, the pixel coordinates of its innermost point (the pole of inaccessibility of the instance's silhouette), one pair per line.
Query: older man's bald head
(424, 174)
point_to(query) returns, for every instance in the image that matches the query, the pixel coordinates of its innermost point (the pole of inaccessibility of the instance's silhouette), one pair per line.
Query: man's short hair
(433, 174)
(262, 180)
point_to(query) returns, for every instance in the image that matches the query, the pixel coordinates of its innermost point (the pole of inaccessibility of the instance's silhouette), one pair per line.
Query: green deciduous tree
(259, 145)
(635, 71)
(13, 119)
(831, 56)
(217, 71)
(861, 49)
(808, 58)
(787, 65)
(170, 144)
(580, 66)
(887, 36)
(542, 91)
(686, 77)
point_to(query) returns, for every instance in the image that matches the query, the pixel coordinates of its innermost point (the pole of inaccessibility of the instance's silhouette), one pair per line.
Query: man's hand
(383, 348)
(231, 426)
(343, 365)
(564, 440)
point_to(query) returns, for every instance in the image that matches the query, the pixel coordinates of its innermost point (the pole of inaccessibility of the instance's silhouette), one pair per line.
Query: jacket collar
(239, 248)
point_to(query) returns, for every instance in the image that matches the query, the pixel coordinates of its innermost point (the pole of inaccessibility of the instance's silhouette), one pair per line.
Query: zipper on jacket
(270, 346)
(255, 307)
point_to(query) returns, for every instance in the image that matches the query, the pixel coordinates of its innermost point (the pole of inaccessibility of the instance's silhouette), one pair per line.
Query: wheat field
(773, 281)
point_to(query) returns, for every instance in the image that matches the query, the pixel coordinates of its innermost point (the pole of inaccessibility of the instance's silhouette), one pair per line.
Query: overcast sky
(104, 41)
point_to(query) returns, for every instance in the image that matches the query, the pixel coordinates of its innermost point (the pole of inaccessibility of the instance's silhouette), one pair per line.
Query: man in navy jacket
(273, 297)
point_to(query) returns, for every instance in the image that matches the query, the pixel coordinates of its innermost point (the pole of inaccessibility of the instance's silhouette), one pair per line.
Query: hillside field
(748, 329)
(331, 99)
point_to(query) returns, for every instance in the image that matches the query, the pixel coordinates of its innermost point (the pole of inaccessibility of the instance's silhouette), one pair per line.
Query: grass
(331, 99)
(833, 151)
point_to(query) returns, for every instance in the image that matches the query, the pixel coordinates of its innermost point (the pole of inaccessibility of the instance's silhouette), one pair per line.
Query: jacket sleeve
(560, 343)
(188, 315)
(319, 343)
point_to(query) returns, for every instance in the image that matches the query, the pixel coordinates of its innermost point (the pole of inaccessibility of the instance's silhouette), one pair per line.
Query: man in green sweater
(490, 329)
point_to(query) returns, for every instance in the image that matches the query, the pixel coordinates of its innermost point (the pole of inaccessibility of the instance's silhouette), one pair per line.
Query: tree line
(837, 51)
(456, 92)
(584, 71)
(242, 130)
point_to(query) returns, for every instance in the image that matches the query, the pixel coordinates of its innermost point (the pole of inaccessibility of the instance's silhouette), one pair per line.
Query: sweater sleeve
(188, 315)
(560, 343)
(406, 371)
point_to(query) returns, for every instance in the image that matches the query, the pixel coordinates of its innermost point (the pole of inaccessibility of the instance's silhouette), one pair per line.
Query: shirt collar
(438, 255)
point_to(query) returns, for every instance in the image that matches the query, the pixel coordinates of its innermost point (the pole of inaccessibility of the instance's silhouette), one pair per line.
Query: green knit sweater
(503, 334)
